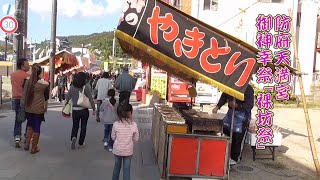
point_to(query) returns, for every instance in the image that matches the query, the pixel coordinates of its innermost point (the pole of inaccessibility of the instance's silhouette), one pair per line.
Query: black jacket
(61, 81)
(245, 105)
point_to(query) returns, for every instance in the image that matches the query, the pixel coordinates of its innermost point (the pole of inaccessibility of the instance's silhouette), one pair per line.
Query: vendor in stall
(61, 83)
(242, 116)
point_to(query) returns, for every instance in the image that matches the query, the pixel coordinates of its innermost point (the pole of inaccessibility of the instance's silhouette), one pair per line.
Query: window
(210, 5)
(175, 3)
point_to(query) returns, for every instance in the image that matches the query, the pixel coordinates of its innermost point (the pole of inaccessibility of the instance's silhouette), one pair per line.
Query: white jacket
(108, 112)
(103, 86)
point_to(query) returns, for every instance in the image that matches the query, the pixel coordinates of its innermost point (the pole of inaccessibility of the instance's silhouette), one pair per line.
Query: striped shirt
(123, 135)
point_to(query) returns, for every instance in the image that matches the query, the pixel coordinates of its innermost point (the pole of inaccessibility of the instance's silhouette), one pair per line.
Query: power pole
(6, 47)
(53, 43)
(114, 50)
(18, 36)
(25, 42)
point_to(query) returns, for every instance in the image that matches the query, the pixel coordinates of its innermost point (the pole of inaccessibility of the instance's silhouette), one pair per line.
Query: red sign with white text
(178, 91)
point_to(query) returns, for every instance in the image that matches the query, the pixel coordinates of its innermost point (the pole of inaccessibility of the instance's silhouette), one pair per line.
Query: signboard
(178, 91)
(159, 83)
(183, 46)
(207, 94)
(8, 9)
(8, 24)
(106, 66)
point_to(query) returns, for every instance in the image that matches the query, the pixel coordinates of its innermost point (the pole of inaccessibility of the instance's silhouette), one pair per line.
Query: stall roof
(188, 48)
(64, 60)
(5, 63)
(45, 60)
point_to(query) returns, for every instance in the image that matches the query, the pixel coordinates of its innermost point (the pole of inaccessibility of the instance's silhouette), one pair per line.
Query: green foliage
(102, 42)
(9, 48)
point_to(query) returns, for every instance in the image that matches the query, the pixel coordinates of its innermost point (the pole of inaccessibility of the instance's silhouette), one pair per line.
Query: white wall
(229, 8)
(247, 32)
(307, 43)
(85, 50)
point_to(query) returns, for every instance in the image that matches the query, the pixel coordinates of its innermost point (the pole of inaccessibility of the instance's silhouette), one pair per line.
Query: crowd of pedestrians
(30, 95)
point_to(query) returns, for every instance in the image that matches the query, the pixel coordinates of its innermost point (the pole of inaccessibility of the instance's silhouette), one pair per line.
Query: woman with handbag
(34, 101)
(80, 95)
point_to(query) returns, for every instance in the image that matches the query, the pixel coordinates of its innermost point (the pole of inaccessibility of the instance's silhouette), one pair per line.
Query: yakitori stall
(188, 143)
(64, 60)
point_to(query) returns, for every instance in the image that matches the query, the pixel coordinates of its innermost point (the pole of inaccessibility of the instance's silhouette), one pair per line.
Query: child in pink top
(124, 132)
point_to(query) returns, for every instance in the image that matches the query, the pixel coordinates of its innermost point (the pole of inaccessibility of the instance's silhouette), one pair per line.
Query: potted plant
(152, 97)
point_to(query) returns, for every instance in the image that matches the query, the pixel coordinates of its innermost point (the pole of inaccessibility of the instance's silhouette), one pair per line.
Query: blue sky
(75, 17)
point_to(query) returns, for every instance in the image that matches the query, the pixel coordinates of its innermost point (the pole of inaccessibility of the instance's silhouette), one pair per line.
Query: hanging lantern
(58, 62)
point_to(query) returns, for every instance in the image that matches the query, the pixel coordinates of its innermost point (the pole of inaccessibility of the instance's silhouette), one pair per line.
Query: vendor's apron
(239, 120)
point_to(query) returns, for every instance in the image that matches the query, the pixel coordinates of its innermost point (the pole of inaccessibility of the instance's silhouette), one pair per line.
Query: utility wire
(242, 11)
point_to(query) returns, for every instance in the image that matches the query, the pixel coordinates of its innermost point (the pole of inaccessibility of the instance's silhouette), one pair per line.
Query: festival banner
(158, 34)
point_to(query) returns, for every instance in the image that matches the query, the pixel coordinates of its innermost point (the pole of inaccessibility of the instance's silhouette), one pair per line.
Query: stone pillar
(306, 48)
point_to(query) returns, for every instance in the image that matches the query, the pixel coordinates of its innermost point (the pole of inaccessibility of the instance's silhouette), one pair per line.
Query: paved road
(57, 162)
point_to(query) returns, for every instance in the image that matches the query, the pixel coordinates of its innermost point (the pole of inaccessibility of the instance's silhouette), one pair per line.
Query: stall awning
(64, 60)
(5, 63)
(169, 39)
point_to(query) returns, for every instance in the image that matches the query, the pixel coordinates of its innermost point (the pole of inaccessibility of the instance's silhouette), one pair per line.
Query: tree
(101, 44)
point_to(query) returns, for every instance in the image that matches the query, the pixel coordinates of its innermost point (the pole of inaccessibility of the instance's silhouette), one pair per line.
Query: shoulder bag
(83, 100)
(67, 109)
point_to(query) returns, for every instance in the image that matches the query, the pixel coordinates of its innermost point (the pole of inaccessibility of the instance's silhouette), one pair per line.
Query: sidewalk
(56, 161)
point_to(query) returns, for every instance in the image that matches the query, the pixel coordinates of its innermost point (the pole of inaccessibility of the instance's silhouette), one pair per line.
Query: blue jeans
(240, 119)
(107, 135)
(117, 167)
(17, 125)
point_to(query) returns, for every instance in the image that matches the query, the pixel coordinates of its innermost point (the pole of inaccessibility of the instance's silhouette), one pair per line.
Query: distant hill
(102, 42)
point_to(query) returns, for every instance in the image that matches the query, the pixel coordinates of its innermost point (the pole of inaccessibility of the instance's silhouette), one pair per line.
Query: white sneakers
(233, 162)
(105, 144)
(17, 142)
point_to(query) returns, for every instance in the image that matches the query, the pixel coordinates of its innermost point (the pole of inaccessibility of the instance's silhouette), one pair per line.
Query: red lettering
(231, 67)
(165, 23)
(194, 41)
(177, 45)
(214, 51)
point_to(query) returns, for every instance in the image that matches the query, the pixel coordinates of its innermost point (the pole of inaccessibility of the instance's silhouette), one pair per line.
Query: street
(56, 161)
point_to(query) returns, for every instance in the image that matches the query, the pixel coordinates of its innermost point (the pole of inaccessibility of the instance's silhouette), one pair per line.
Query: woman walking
(35, 96)
(103, 85)
(80, 115)
(124, 132)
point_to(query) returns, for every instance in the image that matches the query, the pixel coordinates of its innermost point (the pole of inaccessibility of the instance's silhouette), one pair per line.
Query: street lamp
(6, 47)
